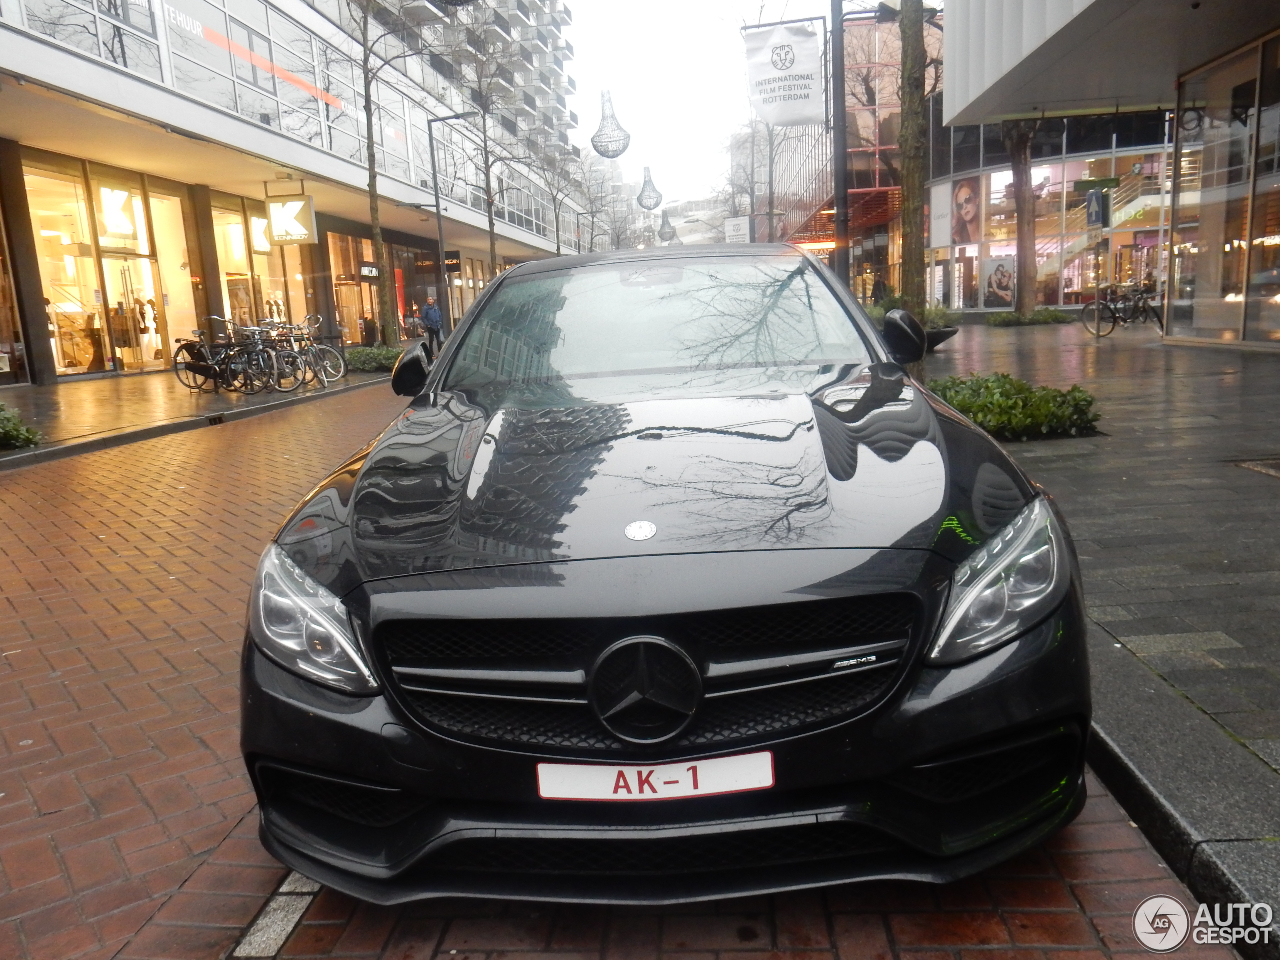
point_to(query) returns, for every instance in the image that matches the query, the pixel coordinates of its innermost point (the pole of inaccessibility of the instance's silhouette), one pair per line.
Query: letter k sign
(293, 220)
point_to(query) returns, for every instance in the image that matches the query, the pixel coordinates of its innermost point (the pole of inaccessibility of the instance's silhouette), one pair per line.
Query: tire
(251, 371)
(184, 358)
(291, 370)
(335, 366)
(1098, 319)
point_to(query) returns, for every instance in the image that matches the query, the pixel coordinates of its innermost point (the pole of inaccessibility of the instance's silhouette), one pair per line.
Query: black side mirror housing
(409, 375)
(904, 337)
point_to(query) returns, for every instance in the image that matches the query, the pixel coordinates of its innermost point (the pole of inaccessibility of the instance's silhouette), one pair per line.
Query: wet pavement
(1176, 538)
(83, 409)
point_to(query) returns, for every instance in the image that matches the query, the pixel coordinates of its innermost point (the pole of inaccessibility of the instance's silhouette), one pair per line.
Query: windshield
(664, 317)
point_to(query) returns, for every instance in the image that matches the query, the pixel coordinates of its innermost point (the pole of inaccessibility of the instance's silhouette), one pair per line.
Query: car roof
(701, 251)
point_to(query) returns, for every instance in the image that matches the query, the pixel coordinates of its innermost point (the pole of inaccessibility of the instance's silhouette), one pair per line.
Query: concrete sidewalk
(1182, 578)
(79, 415)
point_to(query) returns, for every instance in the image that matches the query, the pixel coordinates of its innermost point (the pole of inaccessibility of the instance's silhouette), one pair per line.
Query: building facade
(1214, 70)
(140, 142)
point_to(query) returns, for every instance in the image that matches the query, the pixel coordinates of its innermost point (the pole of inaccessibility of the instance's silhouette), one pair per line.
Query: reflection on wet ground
(81, 409)
(1176, 541)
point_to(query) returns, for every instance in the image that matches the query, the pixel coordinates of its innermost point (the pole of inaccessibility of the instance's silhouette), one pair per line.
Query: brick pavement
(123, 583)
(1071, 899)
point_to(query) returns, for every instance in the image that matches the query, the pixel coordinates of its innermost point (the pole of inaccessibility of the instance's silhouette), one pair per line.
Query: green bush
(1041, 316)
(13, 434)
(370, 359)
(1012, 409)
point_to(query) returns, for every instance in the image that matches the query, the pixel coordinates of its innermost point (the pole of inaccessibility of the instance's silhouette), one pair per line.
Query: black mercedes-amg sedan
(671, 582)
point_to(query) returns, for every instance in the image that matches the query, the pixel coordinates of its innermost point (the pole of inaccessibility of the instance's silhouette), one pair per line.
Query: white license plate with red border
(667, 781)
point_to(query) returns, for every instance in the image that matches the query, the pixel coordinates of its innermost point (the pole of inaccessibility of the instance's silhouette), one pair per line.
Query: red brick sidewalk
(1072, 899)
(123, 580)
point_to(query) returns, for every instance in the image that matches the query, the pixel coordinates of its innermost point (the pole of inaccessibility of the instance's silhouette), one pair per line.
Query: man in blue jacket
(431, 322)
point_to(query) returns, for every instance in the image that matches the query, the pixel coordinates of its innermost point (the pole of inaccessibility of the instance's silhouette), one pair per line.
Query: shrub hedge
(371, 359)
(1012, 409)
(13, 432)
(1040, 316)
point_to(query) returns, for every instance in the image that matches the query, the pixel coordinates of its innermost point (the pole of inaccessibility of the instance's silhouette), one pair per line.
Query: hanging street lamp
(648, 197)
(666, 232)
(610, 140)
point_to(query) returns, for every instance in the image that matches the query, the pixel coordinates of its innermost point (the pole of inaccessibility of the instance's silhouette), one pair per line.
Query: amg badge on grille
(640, 530)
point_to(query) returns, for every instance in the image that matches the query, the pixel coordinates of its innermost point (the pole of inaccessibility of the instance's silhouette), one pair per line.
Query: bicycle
(1101, 317)
(334, 363)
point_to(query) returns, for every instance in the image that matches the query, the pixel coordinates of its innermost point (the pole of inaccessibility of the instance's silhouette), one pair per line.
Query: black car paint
(780, 514)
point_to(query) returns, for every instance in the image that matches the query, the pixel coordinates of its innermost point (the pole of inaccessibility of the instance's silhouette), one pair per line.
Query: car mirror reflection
(409, 375)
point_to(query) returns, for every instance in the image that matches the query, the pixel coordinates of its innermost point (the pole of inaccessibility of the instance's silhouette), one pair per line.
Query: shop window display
(178, 287)
(1216, 126)
(231, 240)
(68, 270)
(13, 354)
(1262, 307)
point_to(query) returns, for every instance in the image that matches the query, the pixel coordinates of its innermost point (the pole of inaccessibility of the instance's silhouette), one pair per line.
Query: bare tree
(594, 195)
(561, 174)
(490, 63)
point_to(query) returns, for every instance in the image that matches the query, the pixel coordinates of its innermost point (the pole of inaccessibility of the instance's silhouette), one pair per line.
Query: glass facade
(1226, 224)
(13, 353)
(973, 228)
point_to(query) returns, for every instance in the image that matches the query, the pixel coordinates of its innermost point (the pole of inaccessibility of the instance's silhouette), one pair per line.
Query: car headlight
(1017, 578)
(305, 628)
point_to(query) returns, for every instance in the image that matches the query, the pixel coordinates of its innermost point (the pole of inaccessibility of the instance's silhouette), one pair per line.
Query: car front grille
(806, 843)
(483, 676)
(369, 805)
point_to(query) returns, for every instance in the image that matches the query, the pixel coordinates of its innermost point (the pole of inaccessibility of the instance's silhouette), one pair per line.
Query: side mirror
(904, 337)
(409, 375)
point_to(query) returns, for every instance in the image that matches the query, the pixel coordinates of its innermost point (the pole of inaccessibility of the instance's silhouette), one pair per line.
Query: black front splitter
(667, 888)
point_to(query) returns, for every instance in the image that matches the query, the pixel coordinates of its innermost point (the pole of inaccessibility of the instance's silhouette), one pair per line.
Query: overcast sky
(677, 73)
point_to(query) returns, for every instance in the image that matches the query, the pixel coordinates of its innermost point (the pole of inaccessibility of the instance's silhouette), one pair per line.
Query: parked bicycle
(270, 356)
(1114, 308)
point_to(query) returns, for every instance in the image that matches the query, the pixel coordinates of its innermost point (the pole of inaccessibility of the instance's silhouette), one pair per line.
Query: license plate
(668, 781)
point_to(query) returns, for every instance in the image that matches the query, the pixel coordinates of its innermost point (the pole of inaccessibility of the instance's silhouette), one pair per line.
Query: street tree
(1018, 136)
(560, 174)
(912, 141)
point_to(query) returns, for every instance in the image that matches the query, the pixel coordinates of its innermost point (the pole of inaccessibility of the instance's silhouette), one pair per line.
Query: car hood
(872, 461)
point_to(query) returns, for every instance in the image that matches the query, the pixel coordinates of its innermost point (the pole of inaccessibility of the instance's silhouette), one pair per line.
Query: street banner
(784, 73)
(940, 215)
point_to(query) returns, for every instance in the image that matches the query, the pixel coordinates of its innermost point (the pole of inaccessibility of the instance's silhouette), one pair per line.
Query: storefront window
(13, 355)
(1262, 307)
(1216, 124)
(233, 262)
(178, 286)
(354, 288)
(68, 272)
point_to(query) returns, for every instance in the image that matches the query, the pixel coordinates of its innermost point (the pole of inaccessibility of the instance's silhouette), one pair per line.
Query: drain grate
(1270, 467)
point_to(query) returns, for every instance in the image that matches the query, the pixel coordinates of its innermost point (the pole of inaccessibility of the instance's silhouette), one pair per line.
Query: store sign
(940, 215)
(453, 261)
(291, 220)
(368, 270)
(784, 73)
(737, 230)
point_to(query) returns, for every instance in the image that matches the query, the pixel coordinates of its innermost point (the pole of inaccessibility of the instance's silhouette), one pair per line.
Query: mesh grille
(364, 805)
(813, 624)
(721, 720)
(682, 855)
(565, 643)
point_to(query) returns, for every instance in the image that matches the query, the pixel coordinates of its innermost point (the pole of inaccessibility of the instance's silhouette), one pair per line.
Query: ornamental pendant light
(648, 197)
(610, 141)
(666, 232)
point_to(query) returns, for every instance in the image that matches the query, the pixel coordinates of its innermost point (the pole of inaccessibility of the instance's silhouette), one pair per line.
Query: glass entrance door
(135, 314)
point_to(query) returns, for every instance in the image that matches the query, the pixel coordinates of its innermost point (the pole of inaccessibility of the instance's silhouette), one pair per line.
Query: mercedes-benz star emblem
(645, 689)
(640, 530)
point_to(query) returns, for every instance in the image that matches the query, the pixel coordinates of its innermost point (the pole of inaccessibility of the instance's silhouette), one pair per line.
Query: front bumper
(959, 769)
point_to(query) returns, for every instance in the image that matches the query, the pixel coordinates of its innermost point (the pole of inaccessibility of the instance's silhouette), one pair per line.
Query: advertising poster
(966, 223)
(940, 215)
(785, 74)
(997, 283)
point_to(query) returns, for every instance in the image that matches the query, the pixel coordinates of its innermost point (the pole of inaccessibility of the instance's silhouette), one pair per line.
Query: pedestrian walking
(431, 322)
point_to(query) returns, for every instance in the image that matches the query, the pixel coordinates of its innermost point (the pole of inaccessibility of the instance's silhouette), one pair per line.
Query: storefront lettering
(183, 21)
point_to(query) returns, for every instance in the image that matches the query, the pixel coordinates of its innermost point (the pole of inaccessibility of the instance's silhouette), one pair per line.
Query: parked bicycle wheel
(191, 368)
(1098, 319)
(291, 370)
(334, 364)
